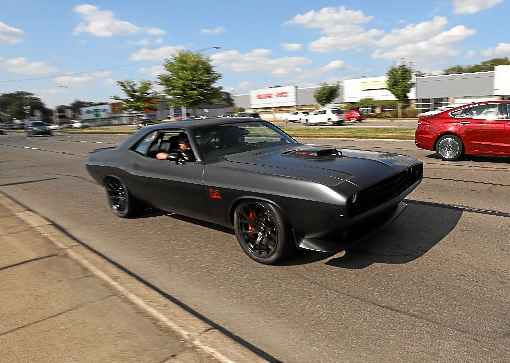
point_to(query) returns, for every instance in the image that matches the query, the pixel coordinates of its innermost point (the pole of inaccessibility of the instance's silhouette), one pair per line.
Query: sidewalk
(52, 309)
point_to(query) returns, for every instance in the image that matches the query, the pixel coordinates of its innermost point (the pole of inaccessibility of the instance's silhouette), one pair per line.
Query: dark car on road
(36, 128)
(247, 174)
(476, 129)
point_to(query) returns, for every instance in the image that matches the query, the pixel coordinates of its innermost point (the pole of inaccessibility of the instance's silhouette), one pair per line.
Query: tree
(399, 82)
(484, 66)
(21, 105)
(138, 96)
(190, 80)
(326, 94)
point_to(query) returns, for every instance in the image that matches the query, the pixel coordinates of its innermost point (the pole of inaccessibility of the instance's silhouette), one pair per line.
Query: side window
(145, 143)
(504, 111)
(485, 112)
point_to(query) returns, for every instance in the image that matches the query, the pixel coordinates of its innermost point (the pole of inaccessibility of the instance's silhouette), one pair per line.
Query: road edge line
(205, 337)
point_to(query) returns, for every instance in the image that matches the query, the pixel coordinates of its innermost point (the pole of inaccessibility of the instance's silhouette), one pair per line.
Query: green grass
(352, 133)
(295, 131)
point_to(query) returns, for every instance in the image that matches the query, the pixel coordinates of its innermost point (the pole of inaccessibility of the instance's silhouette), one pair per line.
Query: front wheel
(121, 202)
(262, 232)
(450, 147)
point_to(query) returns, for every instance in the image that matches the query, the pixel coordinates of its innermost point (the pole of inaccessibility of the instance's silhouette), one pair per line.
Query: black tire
(120, 200)
(450, 147)
(262, 232)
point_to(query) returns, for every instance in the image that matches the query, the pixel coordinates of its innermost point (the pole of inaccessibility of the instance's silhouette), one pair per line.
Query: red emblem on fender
(214, 194)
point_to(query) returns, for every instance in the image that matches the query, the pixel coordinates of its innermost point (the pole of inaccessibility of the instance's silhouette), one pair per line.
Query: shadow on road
(480, 159)
(410, 237)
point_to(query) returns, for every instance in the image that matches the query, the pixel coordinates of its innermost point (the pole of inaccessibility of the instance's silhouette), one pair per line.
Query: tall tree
(484, 66)
(399, 82)
(326, 94)
(190, 80)
(21, 104)
(138, 96)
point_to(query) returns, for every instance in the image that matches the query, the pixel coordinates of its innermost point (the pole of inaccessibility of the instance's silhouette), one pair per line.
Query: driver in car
(184, 152)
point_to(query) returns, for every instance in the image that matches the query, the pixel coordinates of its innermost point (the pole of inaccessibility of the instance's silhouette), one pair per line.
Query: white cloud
(414, 32)
(258, 60)
(103, 23)
(155, 31)
(20, 65)
(152, 71)
(71, 80)
(9, 34)
(473, 6)
(422, 42)
(155, 54)
(333, 65)
(342, 28)
(501, 50)
(147, 42)
(292, 46)
(213, 31)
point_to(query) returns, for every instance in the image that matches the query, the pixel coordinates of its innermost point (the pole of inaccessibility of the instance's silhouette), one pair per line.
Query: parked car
(247, 115)
(79, 125)
(2, 132)
(325, 116)
(54, 127)
(249, 175)
(35, 128)
(354, 115)
(298, 116)
(481, 128)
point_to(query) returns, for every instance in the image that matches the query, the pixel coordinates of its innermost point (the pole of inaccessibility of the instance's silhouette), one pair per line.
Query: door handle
(465, 122)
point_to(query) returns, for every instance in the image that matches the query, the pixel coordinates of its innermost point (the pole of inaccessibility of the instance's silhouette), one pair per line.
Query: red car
(353, 115)
(476, 129)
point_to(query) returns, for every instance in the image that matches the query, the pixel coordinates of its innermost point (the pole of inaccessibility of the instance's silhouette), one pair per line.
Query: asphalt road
(433, 286)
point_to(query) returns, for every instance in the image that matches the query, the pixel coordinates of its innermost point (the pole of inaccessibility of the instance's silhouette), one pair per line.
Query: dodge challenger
(248, 175)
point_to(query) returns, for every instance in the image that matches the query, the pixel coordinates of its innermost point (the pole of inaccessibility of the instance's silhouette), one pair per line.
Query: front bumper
(341, 240)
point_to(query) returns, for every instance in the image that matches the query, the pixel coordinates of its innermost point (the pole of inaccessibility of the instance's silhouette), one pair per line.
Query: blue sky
(66, 50)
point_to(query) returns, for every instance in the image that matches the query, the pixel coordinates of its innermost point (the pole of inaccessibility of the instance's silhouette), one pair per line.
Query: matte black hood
(363, 168)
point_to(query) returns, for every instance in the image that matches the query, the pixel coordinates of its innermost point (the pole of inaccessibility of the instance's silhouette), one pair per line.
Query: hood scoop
(314, 153)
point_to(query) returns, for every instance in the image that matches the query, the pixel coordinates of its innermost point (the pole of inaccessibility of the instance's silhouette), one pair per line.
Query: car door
(483, 130)
(168, 185)
(504, 116)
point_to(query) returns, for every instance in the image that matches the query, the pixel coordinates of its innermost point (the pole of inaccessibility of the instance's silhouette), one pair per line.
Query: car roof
(194, 124)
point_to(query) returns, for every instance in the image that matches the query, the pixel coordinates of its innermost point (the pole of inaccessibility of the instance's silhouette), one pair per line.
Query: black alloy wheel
(262, 232)
(121, 202)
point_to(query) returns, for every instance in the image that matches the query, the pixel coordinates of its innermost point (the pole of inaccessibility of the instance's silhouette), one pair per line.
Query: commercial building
(437, 91)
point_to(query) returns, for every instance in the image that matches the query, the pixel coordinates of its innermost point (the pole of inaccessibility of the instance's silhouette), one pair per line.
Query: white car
(298, 116)
(326, 116)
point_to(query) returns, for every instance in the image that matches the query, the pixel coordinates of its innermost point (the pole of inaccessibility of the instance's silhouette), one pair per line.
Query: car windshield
(217, 141)
(38, 123)
(336, 111)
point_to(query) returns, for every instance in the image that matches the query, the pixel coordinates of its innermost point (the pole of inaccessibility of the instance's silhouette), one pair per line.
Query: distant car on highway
(481, 128)
(354, 115)
(325, 116)
(247, 174)
(298, 116)
(145, 123)
(37, 128)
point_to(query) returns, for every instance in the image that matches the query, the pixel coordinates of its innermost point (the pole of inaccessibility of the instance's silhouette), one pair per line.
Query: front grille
(386, 190)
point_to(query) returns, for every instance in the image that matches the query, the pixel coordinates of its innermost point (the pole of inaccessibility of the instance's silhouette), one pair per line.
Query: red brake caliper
(251, 218)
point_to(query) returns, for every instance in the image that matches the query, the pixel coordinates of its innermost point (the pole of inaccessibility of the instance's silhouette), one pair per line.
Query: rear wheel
(262, 232)
(450, 147)
(121, 202)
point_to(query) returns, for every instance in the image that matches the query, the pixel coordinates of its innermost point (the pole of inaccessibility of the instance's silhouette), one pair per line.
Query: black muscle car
(249, 175)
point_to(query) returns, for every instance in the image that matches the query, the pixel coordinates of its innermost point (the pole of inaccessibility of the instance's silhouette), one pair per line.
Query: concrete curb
(169, 314)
